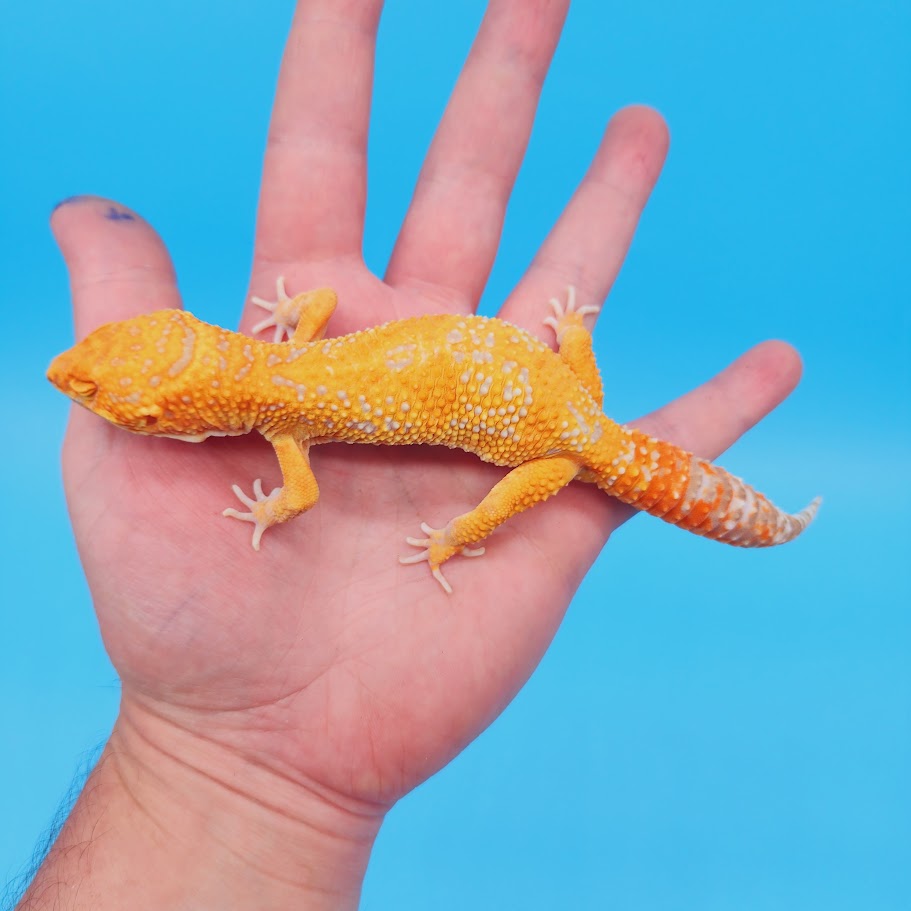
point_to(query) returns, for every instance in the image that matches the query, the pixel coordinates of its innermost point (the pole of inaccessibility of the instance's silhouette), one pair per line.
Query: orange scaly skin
(466, 382)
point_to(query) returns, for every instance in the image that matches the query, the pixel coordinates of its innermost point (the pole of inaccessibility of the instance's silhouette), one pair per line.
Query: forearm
(174, 826)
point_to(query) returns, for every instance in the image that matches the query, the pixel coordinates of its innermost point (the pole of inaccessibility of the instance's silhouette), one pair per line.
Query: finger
(588, 244)
(118, 265)
(709, 419)
(315, 172)
(450, 235)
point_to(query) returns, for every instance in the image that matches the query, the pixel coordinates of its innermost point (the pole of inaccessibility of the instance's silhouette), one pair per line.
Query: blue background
(709, 730)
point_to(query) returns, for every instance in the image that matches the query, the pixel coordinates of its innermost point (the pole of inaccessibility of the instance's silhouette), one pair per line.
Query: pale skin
(276, 704)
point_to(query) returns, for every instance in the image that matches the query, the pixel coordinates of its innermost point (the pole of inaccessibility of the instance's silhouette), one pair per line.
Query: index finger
(117, 263)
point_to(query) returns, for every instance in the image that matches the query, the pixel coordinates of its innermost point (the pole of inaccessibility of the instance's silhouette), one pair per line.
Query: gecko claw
(568, 314)
(436, 552)
(283, 317)
(260, 513)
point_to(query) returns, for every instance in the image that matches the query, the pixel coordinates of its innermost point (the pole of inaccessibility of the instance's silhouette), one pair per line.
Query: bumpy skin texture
(466, 382)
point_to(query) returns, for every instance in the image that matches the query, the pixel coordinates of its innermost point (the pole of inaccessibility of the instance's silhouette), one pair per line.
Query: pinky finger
(716, 414)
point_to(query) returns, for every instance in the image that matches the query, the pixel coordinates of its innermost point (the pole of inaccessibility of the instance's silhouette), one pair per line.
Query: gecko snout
(76, 384)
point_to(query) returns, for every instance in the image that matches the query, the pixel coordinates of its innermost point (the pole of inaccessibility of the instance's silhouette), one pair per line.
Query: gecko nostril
(150, 420)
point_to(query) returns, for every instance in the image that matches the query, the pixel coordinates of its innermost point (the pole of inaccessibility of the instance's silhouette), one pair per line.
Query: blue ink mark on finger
(70, 199)
(115, 214)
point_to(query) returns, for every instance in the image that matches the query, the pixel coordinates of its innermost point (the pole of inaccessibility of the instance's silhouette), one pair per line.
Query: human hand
(320, 669)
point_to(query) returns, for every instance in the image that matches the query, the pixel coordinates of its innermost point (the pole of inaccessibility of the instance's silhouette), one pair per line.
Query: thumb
(118, 265)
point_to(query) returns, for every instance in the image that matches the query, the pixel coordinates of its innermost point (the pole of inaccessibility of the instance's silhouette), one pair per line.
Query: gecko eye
(85, 389)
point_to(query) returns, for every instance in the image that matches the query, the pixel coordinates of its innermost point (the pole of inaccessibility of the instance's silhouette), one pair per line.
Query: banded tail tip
(808, 513)
(796, 524)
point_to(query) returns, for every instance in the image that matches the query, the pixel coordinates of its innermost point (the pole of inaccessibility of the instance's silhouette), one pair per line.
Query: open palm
(321, 657)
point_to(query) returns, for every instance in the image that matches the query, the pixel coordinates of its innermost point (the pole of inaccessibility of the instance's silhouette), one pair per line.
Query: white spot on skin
(248, 356)
(186, 353)
(400, 357)
(399, 365)
(294, 354)
(299, 388)
(581, 421)
(454, 337)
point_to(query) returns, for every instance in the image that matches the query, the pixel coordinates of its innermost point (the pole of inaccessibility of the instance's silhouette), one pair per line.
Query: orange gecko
(466, 382)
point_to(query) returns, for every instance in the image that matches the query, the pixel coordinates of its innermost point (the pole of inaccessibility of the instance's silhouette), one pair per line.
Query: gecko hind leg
(519, 490)
(575, 341)
(435, 537)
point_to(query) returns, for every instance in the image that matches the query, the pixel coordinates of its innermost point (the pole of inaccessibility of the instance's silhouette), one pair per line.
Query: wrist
(168, 820)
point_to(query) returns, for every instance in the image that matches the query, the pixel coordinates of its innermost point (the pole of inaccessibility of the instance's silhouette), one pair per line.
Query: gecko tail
(692, 493)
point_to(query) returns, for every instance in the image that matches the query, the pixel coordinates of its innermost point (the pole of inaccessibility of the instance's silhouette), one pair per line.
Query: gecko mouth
(73, 383)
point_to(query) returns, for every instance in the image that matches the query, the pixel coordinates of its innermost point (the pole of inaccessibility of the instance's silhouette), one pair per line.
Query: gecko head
(140, 374)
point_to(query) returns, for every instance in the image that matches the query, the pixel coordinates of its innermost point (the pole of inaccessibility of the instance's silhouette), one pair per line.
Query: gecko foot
(260, 513)
(436, 552)
(566, 315)
(285, 312)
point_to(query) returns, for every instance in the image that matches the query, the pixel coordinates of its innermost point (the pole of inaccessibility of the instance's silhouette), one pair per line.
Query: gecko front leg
(298, 493)
(302, 318)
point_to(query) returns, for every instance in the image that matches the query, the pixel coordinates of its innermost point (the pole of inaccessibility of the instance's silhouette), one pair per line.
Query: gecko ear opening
(150, 416)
